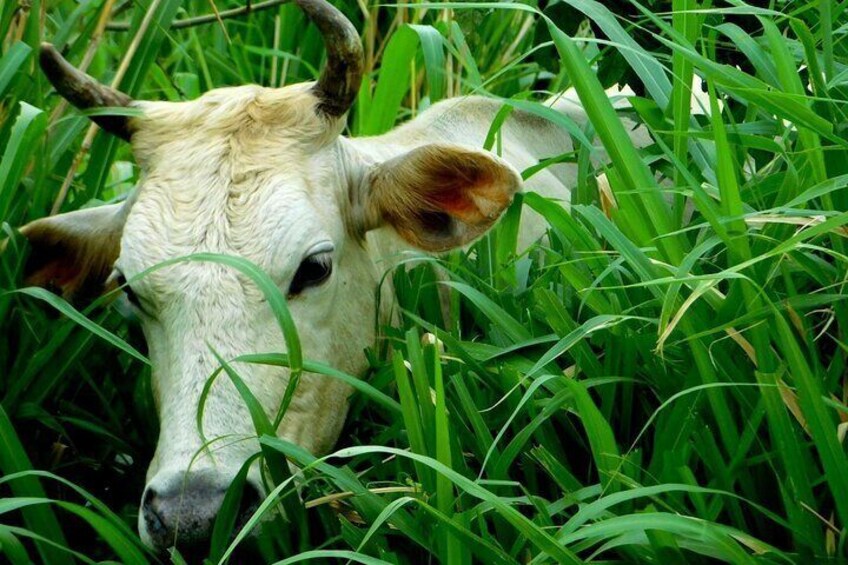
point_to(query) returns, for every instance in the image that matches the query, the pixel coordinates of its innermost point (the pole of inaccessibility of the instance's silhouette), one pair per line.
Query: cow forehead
(270, 211)
(273, 224)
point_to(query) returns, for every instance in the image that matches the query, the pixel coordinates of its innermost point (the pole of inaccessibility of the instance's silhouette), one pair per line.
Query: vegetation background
(663, 380)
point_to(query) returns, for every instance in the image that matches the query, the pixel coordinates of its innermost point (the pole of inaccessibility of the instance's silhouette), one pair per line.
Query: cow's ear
(438, 197)
(74, 253)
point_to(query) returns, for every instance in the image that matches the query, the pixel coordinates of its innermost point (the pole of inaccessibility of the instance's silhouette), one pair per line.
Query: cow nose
(185, 515)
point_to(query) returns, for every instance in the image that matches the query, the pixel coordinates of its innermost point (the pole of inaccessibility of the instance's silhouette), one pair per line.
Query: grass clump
(661, 379)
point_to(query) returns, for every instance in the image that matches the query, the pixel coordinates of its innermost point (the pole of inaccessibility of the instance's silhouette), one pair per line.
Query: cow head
(263, 174)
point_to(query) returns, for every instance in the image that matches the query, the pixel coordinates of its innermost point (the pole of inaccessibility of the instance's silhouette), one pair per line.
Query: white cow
(264, 174)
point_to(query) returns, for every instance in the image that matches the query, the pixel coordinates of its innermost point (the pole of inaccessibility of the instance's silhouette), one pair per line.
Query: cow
(266, 174)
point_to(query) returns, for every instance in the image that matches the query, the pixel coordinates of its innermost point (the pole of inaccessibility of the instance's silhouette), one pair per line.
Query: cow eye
(121, 281)
(312, 271)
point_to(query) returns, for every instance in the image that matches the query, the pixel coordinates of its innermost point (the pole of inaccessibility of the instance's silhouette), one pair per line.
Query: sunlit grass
(661, 379)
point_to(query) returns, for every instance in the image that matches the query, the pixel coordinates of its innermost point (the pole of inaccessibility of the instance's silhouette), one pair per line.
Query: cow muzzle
(180, 511)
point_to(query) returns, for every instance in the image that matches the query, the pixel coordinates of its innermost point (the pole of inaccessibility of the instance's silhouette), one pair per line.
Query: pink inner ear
(456, 202)
(474, 201)
(470, 191)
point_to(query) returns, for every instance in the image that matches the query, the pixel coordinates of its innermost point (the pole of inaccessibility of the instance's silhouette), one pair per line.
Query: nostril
(155, 524)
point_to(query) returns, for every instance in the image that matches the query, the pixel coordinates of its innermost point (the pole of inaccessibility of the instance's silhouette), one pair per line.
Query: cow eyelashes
(313, 271)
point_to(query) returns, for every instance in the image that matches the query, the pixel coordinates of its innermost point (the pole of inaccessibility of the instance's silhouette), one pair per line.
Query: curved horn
(339, 82)
(85, 92)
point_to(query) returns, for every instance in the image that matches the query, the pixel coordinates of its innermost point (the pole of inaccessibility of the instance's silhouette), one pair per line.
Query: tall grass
(663, 378)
